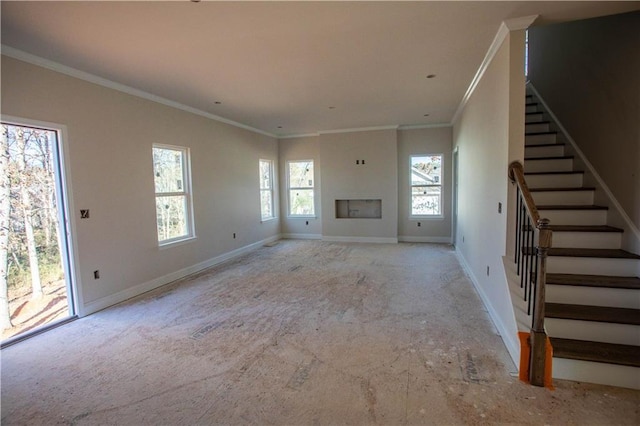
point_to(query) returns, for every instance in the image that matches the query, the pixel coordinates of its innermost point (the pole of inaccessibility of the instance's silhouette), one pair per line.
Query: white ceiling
(279, 66)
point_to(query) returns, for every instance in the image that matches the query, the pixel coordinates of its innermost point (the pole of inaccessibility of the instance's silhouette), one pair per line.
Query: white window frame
(290, 188)
(186, 193)
(439, 215)
(270, 190)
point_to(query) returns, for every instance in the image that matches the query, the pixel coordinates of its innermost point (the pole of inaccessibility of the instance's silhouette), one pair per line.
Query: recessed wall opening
(358, 209)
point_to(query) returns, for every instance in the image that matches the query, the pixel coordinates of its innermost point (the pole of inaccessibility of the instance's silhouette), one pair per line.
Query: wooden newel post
(538, 336)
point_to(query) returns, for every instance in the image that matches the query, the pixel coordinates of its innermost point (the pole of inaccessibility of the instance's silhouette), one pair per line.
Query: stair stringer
(616, 216)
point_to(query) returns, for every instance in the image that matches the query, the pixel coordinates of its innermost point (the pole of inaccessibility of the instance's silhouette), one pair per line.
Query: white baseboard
(510, 341)
(412, 239)
(302, 236)
(121, 296)
(360, 239)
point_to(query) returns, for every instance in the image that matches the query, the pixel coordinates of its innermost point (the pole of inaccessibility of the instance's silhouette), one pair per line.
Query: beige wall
(588, 72)
(486, 139)
(302, 148)
(376, 179)
(420, 142)
(109, 140)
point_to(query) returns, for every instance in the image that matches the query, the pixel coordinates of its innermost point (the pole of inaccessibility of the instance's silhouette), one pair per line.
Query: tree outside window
(172, 188)
(266, 189)
(301, 188)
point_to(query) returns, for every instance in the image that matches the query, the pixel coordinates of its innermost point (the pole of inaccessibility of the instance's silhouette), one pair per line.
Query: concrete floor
(304, 332)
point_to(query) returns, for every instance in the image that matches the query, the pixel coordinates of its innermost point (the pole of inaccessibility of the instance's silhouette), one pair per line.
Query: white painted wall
(488, 136)
(588, 72)
(293, 149)
(377, 179)
(110, 135)
(420, 142)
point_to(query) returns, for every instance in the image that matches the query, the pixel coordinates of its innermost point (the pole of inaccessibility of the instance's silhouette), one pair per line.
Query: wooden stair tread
(571, 207)
(575, 188)
(539, 133)
(540, 122)
(593, 313)
(596, 351)
(572, 172)
(592, 252)
(632, 283)
(564, 157)
(584, 228)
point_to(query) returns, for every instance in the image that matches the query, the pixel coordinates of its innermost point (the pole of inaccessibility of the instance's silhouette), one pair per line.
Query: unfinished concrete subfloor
(304, 332)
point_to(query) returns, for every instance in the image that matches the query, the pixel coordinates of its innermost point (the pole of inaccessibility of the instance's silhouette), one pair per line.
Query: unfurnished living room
(293, 213)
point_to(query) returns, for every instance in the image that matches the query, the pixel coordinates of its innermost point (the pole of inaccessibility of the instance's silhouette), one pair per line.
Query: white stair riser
(534, 118)
(592, 266)
(553, 165)
(605, 240)
(573, 198)
(531, 108)
(543, 138)
(593, 296)
(623, 334)
(544, 151)
(554, 181)
(536, 127)
(575, 217)
(622, 376)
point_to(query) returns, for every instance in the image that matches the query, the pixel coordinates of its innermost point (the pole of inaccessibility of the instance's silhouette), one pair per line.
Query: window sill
(434, 217)
(301, 217)
(268, 219)
(174, 243)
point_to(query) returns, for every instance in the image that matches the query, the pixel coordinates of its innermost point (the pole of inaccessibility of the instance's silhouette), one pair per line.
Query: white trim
(505, 27)
(412, 239)
(587, 163)
(301, 135)
(364, 129)
(301, 236)
(423, 126)
(121, 296)
(510, 341)
(359, 129)
(91, 78)
(377, 240)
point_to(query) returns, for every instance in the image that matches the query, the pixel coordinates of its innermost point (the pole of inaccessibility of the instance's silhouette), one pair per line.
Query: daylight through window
(426, 185)
(266, 189)
(172, 187)
(301, 188)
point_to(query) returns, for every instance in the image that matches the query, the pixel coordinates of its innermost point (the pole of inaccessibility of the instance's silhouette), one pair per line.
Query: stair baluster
(532, 245)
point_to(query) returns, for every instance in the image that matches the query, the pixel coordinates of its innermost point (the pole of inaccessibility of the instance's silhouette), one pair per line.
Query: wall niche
(359, 209)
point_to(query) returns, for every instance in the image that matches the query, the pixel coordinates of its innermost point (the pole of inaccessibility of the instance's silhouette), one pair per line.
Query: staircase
(592, 310)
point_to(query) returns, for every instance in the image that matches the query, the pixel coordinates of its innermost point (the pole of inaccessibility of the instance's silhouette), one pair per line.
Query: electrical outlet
(487, 270)
(307, 222)
(84, 214)
(499, 207)
(234, 235)
(419, 224)
(96, 274)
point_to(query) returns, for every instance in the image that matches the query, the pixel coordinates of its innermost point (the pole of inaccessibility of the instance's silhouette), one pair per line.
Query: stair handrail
(533, 274)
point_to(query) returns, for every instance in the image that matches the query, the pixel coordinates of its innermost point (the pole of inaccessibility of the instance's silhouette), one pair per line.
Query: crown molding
(424, 126)
(91, 78)
(359, 129)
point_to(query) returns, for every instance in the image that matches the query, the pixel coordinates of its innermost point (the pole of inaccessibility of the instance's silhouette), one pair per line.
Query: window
(301, 188)
(173, 199)
(266, 189)
(426, 185)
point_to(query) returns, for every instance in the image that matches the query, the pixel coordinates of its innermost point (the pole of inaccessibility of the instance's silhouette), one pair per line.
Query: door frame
(66, 218)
